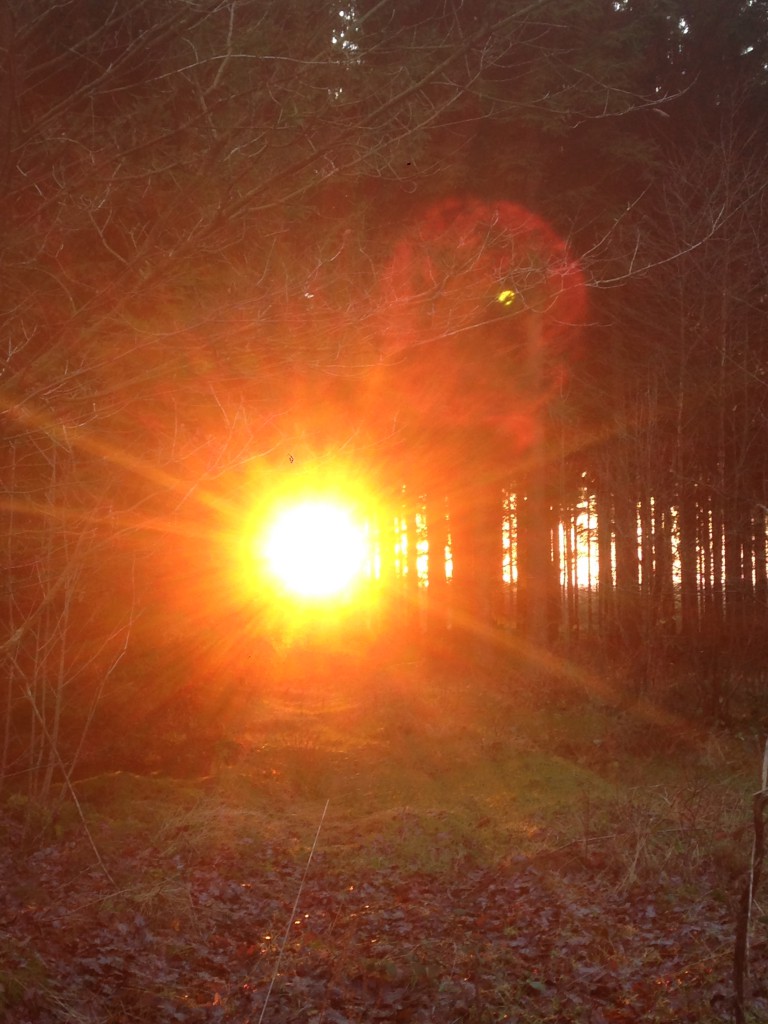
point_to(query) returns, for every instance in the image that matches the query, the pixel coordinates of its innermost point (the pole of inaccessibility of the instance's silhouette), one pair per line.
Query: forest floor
(412, 853)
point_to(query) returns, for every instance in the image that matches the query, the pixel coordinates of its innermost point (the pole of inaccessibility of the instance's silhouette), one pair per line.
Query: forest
(496, 271)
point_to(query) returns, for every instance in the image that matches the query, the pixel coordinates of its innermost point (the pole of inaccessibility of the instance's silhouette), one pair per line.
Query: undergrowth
(432, 784)
(494, 774)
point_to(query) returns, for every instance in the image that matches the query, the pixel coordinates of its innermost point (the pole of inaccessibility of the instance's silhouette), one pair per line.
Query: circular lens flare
(315, 549)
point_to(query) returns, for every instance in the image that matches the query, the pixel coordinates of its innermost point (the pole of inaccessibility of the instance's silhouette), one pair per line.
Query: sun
(315, 549)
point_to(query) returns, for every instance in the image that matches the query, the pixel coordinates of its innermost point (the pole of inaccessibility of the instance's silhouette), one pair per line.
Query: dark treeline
(216, 270)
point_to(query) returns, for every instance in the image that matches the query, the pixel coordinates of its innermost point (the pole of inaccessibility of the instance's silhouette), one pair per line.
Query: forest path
(420, 864)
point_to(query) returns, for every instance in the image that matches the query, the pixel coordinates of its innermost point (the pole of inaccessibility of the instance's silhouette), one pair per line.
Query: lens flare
(315, 549)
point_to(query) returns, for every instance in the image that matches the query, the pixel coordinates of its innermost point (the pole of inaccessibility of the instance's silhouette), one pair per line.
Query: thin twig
(744, 919)
(292, 918)
(67, 773)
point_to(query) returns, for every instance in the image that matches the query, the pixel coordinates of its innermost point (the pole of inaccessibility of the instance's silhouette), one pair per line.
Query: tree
(685, 367)
(192, 235)
(479, 300)
(196, 211)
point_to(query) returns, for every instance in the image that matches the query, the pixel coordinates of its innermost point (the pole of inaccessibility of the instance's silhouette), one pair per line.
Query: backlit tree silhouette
(481, 303)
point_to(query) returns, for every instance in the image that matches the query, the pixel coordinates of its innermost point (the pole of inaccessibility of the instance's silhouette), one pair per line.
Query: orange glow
(305, 553)
(315, 549)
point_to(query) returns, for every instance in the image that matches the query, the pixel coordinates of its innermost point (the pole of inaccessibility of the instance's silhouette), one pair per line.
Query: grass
(408, 759)
(424, 777)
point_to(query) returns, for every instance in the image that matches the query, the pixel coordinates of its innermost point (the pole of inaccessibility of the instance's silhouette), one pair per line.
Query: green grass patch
(472, 850)
(432, 773)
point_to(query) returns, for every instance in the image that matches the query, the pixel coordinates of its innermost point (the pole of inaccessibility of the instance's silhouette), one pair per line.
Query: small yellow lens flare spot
(506, 298)
(315, 549)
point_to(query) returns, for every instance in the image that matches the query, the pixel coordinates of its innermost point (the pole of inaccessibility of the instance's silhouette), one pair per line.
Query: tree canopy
(211, 212)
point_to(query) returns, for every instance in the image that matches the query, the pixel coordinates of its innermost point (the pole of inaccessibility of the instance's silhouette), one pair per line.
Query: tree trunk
(627, 569)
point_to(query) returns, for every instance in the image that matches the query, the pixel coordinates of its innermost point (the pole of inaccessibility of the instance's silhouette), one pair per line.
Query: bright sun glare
(315, 549)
